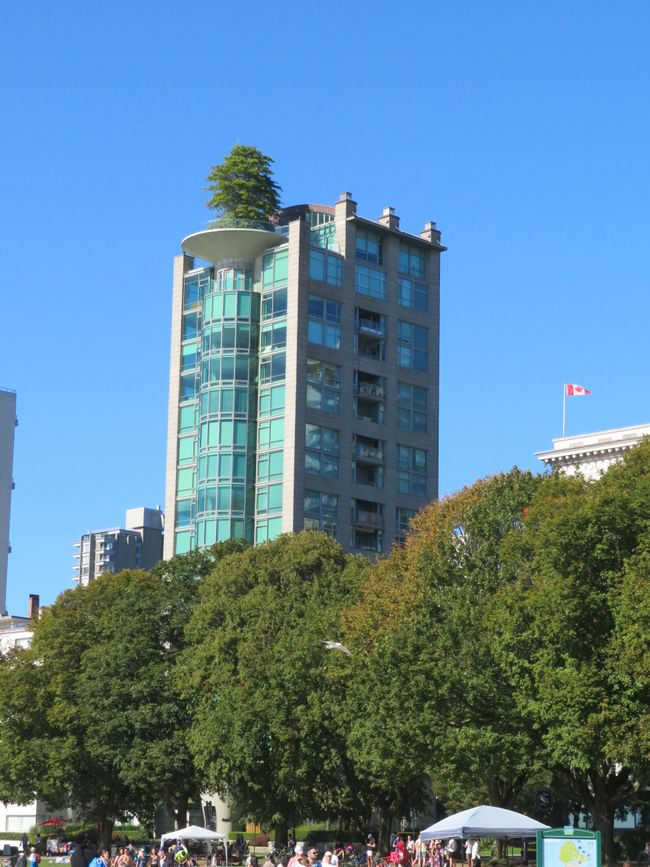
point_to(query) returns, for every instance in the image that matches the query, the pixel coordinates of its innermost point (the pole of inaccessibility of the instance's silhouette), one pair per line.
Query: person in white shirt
(476, 855)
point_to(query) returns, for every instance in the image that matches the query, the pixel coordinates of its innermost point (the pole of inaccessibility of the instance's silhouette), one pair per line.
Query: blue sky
(521, 128)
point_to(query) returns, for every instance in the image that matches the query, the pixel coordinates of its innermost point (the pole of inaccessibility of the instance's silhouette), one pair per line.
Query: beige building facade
(593, 453)
(303, 379)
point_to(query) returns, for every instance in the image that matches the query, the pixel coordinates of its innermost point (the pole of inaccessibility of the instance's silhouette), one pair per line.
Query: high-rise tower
(8, 422)
(304, 379)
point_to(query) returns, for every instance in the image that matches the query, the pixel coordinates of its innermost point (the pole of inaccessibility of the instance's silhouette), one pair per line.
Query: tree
(242, 186)
(571, 633)
(265, 719)
(438, 695)
(90, 717)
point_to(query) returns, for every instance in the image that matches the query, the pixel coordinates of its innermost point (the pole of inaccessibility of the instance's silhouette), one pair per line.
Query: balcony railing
(364, 518)
(235, 223)
(369, 389)
(369, 453)
(370, 326)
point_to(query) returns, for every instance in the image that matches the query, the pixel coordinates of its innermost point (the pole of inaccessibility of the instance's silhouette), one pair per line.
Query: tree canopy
(242, 186)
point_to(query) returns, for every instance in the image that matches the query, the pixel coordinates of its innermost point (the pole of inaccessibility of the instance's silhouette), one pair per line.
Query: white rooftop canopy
(484, 821)
(192, 832)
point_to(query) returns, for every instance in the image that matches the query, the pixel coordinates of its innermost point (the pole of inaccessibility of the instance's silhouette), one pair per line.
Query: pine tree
(242, 186)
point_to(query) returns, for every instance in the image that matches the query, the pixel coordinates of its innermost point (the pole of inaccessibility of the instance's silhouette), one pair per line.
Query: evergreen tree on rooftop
(242, 186)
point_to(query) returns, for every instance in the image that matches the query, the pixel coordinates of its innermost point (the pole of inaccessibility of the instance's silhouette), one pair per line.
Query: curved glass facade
(217, 430)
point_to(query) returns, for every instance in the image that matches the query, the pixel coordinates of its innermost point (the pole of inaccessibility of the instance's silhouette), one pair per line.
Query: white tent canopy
(484, 821)
(192, 832)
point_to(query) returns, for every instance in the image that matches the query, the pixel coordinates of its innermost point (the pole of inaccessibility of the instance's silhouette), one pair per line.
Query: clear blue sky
(522, 128)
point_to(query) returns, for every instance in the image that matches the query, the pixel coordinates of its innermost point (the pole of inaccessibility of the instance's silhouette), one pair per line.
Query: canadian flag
(576, 390)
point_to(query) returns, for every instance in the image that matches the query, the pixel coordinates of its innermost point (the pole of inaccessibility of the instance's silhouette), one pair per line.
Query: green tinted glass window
(186, 415)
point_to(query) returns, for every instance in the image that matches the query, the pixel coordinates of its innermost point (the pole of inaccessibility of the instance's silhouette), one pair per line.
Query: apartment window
(186, 418)
(190, 326)
(225, 432)
(371, 281)
(403, 518)
(367, 470)
(228, 305)
(189, 356)
(412, 346)
(225, 368)
(369, 396)
(273, 367)
(186, 450)
(274, 304)
(229, 280)
(271, 401)
(322, 451)
(413, 294)
(324, 236)
(266, 529)
(269, 466)
(369, 334)
(226, 335)
(321, 511)
(184, 516)
(367, 526)
(323, 386)
(275, 268)
(189, 386)
(411, 261)
(270, 434)
(196, 285)
(325, 267)
(227, 400)
(324, 325)
(411, 470)
(369, 247)
(412, 407)
(222, 465)
(269, 499)
(273, 336)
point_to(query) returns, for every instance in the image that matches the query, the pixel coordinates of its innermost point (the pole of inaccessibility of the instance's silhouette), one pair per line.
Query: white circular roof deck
(232, 242)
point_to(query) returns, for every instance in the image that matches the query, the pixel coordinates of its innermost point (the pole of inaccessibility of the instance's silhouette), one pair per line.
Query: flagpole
(563, 407)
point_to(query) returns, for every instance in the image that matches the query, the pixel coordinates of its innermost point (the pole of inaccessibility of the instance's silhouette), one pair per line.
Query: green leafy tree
(571, 633)
(265, 721)
(90, 717)
(242, 186)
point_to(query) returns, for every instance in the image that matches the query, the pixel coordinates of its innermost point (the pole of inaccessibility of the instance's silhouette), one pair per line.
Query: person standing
(476, 854)
(371, 848)
(452, 851)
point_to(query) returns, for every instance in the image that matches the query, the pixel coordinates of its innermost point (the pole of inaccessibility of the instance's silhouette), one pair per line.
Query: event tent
(484, 821)
(194, 832)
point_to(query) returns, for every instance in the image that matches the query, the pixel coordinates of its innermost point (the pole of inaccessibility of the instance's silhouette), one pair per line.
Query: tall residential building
(8, 422)
(138, 546)
(304, 379)
(593, 453)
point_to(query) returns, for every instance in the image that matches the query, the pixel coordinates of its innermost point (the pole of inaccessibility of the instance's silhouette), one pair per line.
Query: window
(324, 326)
(369, 336)
(322, 451)
(323, 386)
(369, 247)
(225, 368)
(196, 285)
(321, 511)
(368, 461)
(403, 518)
(184, 512)
(186, 450)
(273, 368)
(189, 386)
(186, 418)
(325, 267)
(189, 356)
(324, 236)
(269, 466)
(274, 304)
(273, 336)
(270, 434)
(369, 396)
(411, 261)
(190, 326)
(412, 346)
(271, 401)
(371, 281)
(412, 407)
(224, 401)
(411, 470)
(226, 335)
(228, 305)
(413, 294)
(229, 280)
(268, 499)
(266, 529)
(275, 268)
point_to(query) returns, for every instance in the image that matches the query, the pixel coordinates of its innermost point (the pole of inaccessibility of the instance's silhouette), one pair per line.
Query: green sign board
(568, 847)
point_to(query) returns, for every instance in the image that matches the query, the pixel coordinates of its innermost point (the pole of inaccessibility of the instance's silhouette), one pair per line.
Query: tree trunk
(106, 833)
(386, 822)
(281, 833)
(603, 816)
(180, 813)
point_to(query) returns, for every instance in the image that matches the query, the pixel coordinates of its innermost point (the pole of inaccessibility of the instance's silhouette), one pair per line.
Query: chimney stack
(33, 606)
(389, 218)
